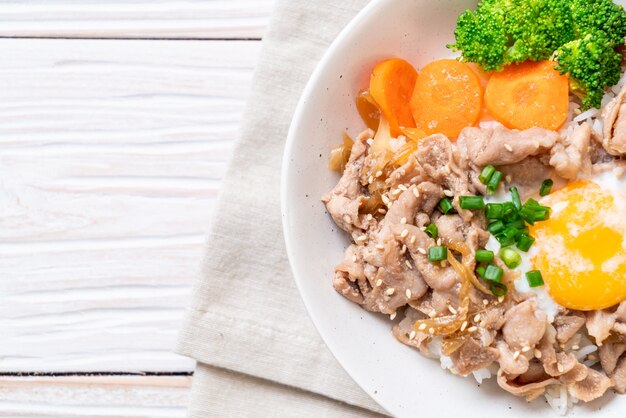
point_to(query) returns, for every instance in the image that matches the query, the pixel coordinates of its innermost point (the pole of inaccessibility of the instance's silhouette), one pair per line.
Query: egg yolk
(580, 249)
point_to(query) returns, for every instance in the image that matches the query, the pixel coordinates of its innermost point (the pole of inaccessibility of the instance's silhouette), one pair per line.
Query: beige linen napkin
(258, 352)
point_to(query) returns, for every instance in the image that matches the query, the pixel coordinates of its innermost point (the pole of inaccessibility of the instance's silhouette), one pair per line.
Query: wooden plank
(94, 396)
(111, 156)
(135, 18)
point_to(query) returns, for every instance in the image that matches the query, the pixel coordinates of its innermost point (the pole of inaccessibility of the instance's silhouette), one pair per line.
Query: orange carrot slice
(529, 94)
(391, 86)
(447, 98)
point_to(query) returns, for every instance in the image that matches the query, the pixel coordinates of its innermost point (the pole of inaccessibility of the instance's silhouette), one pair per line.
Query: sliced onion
(339, 156)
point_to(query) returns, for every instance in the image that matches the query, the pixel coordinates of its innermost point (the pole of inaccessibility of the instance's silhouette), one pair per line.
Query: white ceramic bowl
(397, 377)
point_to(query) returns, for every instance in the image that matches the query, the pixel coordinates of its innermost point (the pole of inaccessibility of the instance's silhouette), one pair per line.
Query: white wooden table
(117, 119)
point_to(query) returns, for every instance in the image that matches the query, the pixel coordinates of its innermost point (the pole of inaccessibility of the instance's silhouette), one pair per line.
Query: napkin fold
(258, 352)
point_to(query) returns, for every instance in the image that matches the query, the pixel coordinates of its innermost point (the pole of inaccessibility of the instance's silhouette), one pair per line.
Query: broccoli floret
(501, 32)
(590, 16)
(592, 65)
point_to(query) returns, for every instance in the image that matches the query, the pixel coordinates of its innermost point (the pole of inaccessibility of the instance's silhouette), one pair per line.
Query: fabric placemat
(258, 352)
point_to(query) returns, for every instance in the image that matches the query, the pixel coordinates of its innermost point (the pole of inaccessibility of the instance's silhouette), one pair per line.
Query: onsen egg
(580, 250)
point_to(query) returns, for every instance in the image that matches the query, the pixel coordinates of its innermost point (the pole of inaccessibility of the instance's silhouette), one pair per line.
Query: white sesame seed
(431, 331)
(508, 147)
(370, 216)
(432, 313)
(560, 367)
(390, 291)
(408, 293)
(447, 169)
(472, 329)
(403, 221)
(382, 211)
(438, 241)
(421, 251)
(396, 192)
(477, 318)
(404, 233)
(379, 173)
(392, 316)
(379, 282)
(422, 327)
(448, 193)
(354, 258)
(413, 239)
(463, 326)
(537, 353)
(370, 180)
(408, 264)
(525, 349)
(402, 187)
(380, 247)
(403, 250)
(412, 335)
(508, 179)
(362, 238)
(485, 302)
(385, 199)
(370, 142)
(501, 299)
(575, 347)
(416, 192)
(516, 355)
(452, 310)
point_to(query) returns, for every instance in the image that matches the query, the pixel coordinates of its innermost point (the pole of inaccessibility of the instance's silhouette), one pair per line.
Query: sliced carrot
(529, 94)
(391, 86)
(447, 98)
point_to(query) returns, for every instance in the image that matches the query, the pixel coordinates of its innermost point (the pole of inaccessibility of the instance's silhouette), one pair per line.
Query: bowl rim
(287, 167)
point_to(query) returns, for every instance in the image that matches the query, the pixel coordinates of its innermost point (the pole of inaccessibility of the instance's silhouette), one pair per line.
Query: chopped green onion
(494, 182)
(517, 223)
(498, 289)
(437, 253)
(494, 210)
(480, 270)
(496, 227)
(534, 278)
(546, 187)
(486, 174)
(508, 236)
(445, 205)
(524, 242)
(509, 210)
(493, 273)
(517, 202)
(484, 256)
(471, 202)
(432, 231)
(510, 257)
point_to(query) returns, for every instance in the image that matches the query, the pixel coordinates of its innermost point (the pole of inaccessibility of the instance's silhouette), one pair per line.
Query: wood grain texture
(89, 397)
(135, 18)
(111, 156)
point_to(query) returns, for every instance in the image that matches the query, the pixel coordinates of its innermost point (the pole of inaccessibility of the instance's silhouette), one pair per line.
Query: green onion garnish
(534, 278)
(480, 270)
(517, 202)
(546, 187)
(432, 231)
(471, 202)
(445, 205)
(494, 210)
(486, 174)
(493, 273)
(508, 236)
(437, 253)
(496, 227)
(510, 257)
(509, 210)
(524, 242)
(484, 256)
(498, 289)
(494, 182)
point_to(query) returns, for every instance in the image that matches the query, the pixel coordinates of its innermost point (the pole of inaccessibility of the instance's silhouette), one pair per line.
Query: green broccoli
(592, 64)
(592, 15)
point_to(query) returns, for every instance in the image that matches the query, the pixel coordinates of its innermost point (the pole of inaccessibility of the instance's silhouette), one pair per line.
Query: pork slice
(502, 146)
(610, 354)
(347, 287)
(618, 376)
(591, 387)
(345, 199)
(577, 374)
(451, 228)
(408, 173)
(529, 390)
(524, 325)
(614, 119)
(620, 312)
(418, 243)
(527, 174)
(406, 334)
(511, 363)
(568, 325)
(472, 356)
(570, 156)
(535, 373)
(599, 324)
(493, 317)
